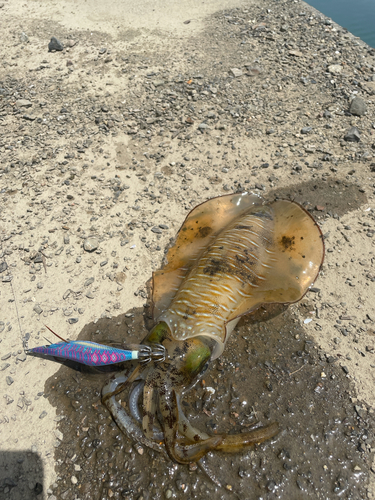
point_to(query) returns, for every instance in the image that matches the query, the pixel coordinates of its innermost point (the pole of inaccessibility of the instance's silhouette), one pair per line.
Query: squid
(232, 255)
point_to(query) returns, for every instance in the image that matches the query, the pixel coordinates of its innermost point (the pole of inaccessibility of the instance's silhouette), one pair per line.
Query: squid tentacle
(124, 421)
(186, 429)
(184, 426)
(179, 453)
(149, 409)
(134, 396)
(222, 442)
(237, 442)
(120, 386)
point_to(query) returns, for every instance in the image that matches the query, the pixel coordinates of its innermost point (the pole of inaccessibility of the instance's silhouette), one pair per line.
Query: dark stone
(55, 44)
(306, 130)
(38, 488)
(3, 266)
(358, 106)
(352, 135)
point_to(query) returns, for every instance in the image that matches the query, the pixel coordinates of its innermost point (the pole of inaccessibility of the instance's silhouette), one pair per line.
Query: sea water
(357, 16)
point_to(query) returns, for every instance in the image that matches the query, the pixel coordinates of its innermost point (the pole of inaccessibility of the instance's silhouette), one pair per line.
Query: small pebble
(236, 72)
(91, 244)
(21, 357)
(55, 44)
(59, 434)
(37, 309)
(24, 38)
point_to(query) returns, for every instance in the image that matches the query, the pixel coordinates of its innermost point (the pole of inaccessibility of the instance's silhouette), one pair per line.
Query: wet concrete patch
(270, 371)
(332, 196)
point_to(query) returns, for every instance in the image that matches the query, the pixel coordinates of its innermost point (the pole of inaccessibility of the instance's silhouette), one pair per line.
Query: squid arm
(172, 422)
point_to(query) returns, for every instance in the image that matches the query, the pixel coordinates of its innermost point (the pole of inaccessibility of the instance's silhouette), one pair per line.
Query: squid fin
(295, 259)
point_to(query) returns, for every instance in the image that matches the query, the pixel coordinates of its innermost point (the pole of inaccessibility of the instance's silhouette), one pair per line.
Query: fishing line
(9, 280)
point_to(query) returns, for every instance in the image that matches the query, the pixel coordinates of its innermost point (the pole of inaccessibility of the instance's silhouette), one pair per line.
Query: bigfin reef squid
(233, 254)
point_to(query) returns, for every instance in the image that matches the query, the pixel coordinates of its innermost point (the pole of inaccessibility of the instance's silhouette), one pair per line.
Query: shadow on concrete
(21, 475)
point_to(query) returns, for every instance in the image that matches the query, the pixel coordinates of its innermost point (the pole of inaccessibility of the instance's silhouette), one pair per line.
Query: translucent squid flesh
(232, 255)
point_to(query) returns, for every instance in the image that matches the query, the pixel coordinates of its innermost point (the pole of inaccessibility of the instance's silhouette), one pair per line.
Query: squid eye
(197, 356)
(159, 333)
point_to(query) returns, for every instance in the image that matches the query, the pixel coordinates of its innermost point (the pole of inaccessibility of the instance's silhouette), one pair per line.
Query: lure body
(87, 353)
(232, 254)
(94, 354)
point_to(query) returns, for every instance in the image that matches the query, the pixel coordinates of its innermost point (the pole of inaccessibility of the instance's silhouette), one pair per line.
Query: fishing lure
(94, 354)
